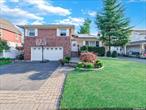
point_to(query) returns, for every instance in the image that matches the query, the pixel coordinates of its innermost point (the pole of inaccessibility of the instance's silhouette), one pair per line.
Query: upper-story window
(62, 32)
(31, 32)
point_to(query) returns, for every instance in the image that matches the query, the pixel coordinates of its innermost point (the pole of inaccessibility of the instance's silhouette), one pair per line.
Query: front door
(74, 46)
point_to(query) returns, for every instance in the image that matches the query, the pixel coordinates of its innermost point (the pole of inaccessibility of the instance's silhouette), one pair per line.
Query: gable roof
(7, 25)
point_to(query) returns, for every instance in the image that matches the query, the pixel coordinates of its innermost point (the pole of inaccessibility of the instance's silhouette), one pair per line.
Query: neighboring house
(137, 44)
(80, 40)
(12, 36)
(47, 42)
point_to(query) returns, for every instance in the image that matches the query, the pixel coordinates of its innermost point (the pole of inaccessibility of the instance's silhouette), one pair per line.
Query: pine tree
(112, 23)
(85, 28)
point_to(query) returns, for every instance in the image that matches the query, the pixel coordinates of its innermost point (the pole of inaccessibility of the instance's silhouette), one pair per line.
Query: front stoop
(46, 98)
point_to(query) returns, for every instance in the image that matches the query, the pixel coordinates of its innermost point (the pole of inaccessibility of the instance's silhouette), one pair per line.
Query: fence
(9, 53)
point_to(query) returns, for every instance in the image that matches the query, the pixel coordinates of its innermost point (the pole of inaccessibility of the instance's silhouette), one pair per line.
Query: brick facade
(10, 36)
(52, 40)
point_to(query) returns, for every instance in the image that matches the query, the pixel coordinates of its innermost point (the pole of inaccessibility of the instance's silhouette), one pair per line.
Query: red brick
(51, 39)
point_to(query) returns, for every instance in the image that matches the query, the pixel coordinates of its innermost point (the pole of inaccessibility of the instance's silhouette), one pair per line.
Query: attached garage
(49, 53)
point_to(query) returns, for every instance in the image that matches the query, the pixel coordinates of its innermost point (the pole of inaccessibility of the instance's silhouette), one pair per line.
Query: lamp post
(41, 43)
(42, 53)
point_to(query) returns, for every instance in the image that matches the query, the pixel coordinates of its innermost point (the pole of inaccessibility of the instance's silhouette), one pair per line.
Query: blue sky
(67, 12)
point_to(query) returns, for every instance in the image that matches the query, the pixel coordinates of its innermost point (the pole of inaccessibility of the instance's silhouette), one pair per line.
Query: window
(63, 32)
(87, 43)
(31, 32)
(92, 43)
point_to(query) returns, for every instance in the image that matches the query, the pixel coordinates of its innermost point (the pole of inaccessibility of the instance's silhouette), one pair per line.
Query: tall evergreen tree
(85, 28)
(113, 25)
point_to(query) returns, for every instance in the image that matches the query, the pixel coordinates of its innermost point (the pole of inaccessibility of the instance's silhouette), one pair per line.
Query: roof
(47, 26)
(86, 36)
(142, 31)
(5, 24)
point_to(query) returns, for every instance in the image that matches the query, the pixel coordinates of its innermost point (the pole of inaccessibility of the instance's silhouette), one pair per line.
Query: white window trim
(35, 32)
(58, 32)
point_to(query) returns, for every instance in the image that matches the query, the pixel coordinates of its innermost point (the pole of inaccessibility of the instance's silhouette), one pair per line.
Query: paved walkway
(46, 98)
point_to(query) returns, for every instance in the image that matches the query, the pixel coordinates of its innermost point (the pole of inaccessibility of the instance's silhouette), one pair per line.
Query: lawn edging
(91, 69)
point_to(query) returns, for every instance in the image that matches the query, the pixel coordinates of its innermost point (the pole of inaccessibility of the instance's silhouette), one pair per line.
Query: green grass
(119, 84)
(4, 62)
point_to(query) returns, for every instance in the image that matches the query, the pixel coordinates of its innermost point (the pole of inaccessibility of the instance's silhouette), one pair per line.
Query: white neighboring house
(10, 34)
(137, 44)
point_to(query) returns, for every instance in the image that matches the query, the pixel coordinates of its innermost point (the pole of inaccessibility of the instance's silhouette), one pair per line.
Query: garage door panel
(53, 53)
(36, 54)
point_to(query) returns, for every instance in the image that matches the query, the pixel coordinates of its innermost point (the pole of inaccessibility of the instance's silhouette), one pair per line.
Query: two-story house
(47, 42)
(137, 43)
(13, 37)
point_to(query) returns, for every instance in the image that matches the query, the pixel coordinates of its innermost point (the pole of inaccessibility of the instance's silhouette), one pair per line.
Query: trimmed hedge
(100, 51)
(114, 54)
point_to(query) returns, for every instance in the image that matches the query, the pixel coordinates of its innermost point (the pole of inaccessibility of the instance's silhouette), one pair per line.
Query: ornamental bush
(88, 57)
(114, 54)
(108, 54)
(89, 65)
(80, 65)
(98, 64)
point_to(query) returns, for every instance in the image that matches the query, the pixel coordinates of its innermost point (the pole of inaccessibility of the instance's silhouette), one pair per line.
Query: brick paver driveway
(25, 75)
(31, 86)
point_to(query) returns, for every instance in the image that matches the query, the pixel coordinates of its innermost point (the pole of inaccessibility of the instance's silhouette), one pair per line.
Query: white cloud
(89, 12)
(14, 1)
(37, 22)
(92, 13)
(137, 0)
(17, 12)
(2, 1)
(71, 21)
(48, 7)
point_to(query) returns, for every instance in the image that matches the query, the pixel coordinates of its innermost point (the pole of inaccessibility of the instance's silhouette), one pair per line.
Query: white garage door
(49, 53)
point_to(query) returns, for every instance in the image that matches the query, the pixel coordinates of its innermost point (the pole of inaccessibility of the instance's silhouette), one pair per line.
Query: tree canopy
(112, 23)
(85, 28)
(3, 45)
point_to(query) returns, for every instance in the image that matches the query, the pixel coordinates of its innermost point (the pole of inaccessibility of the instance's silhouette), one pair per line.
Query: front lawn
(120, 84)
(4, 61)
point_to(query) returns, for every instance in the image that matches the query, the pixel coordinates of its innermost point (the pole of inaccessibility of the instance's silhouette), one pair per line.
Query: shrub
(88, 57)
(84, 49)
(68, 58)
(20, 57)
(80, 65)
(98, 50)
(98, 64)
(108, 54)
(114, 54)
(5, 60)
(89, 65)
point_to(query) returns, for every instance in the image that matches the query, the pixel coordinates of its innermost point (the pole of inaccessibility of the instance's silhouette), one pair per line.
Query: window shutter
(36, 32)
(58, 32)
(67, 32)
(26, 32)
